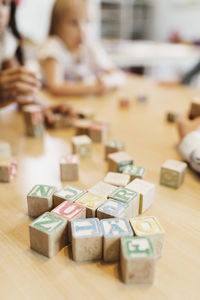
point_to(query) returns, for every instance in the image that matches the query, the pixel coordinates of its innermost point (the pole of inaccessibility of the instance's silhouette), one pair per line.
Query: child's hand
(17, 85)
(185, 125)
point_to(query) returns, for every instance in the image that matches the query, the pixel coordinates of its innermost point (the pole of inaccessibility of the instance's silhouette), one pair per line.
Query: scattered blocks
(34, 120)
(8, 169)
(81, 145)
(129, 197)
(48, 234)
(117, 179)
(146, 191)
(69, 168)
(40, 199)
(82, 126)
(172, 173)
(195, 108)
(149, 227)
(70, 211)
(113, 230)
(69, 192)
(102, 189)
(87, 239)
(118, 160)
(137, 260)
(114, 209)
(133, 171)
(113, 146)
(91, 202)
(5, 150)
(98, 132)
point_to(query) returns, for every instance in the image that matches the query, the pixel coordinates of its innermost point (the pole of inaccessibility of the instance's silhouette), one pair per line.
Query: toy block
(113, 146)
(48, 234)
(172, 173)
(129, 197)
(149, 227)
(81, 145)
(118, 160)
(195, 108)
(69, 168)
(91, 202)
(114, 209)
(142, 98)
(70, 211)
(171, 117)
(40, 199)
(146, 191)
(86, 113)
(8, 169)
(34, 120)
(62, 121)
(82, 126)
(133, 171)
(117, 179)
(102, 189)
(69, 192)
(98, 132)
(113, 230)
(5, 150)
(137, 260)
(87, 240)
(124, 103)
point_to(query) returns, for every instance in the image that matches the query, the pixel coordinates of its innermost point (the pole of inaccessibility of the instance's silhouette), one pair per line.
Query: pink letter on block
(70, 159)
(68, 210)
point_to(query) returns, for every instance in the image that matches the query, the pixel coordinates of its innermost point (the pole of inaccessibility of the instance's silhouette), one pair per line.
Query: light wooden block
(127, 196)
(87, 240)
(34, 120)
(146, 191)
(113, 146)
(195, 108)
(69, 192)
(86, 113)
(117, 179)
(5, 149)
(62, 121)
(48, 234)
(98, 132)
(118, 160)
(137, 260)
(81, 145)
(133, 171)
(102, 189)
(114, 209)
(40, 199)
(82, 126)
(172, 173)
(8, 169)
(69, 168)
(113, 230)
(149, 227)
(91, 202)
(70, 211)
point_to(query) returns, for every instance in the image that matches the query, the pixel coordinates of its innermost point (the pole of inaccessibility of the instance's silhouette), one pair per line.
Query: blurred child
(72, 63)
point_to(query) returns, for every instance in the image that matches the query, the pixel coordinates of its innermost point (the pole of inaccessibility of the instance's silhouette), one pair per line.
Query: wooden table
(24, 274)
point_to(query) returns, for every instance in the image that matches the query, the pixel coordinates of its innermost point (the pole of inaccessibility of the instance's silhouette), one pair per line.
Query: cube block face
(117, 179)
(172, 173)
(61, 121)
(91, 202)
(149, 227)
(8, 169)
(102, 189)
(81, 145)
(34, 120)
(69, 192)
(133, 171)
(86, 239)
(113, 209)
(98, 132)
(69, 168)
(118, 160)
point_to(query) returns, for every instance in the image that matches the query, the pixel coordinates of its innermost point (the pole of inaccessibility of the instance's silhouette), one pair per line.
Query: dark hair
(12, 25)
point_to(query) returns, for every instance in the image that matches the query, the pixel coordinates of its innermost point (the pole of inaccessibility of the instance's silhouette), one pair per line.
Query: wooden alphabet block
(149, 227)
(86, 113)
(114, 209)
(171, 117)
(5, 150)
(87, 239)
(98, 132)
(146, 191)
(82, 126)
(48, 234)
(127, 196)
(137, 260)
(133, 171)
(81, 145)
(69, 168)
(34, 120)
(8, 169)
(118, 160)
(62, 121)
(195, 108)
(40, 199)
(113, 146)
(69, 192)
(102, 189)
(70, 211)
(91, 202)
(172, 173)
(117, 179)
(113, 230)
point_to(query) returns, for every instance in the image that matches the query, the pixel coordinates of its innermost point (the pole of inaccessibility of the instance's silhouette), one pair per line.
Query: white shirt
(8, 46)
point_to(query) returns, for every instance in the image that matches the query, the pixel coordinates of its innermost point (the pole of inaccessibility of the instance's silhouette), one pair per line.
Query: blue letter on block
(86, 227)
(116, 227)
(114, 208)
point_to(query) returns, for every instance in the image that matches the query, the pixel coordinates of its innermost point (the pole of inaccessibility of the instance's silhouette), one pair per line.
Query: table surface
(25, 274)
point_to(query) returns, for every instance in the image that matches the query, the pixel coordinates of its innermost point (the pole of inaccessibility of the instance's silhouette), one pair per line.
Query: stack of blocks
(172, 173)
(34, 120)
(69, 168)
(81, 145)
